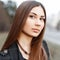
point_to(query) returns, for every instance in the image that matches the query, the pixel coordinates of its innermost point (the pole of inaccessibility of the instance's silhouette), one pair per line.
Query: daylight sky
(52, 6)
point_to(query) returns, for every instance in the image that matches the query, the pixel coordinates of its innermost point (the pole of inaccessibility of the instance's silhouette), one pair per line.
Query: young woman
(24, 41)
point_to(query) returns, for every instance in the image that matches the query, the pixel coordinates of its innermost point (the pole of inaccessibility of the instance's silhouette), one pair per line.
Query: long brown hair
(37, 50)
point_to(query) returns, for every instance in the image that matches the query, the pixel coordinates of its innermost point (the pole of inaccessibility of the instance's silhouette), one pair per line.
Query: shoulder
(45, 45)
(4, 52)
(4, 55)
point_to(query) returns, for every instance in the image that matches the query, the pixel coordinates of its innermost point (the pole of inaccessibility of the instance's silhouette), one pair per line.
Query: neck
(25, 41)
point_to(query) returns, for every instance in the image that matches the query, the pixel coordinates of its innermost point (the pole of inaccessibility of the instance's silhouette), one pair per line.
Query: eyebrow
(36, 14)
(33, 13)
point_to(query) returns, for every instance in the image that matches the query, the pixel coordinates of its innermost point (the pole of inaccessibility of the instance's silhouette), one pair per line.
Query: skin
(34, 23)
(32, 28)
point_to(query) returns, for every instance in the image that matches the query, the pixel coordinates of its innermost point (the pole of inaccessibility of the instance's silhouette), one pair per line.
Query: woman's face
(35, 22)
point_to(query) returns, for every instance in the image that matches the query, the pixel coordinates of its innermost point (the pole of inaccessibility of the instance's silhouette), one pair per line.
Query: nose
(38, 22)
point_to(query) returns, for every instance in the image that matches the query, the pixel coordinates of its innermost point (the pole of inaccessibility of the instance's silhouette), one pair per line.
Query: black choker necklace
(23, 49)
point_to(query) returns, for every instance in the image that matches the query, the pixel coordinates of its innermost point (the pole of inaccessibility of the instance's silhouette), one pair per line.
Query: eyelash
(42, 19)
(31, 16)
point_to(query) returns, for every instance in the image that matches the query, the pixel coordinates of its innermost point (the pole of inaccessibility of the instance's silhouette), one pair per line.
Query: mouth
(35, 30)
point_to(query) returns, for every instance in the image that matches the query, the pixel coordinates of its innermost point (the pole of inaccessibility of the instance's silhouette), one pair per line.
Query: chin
(34, 35)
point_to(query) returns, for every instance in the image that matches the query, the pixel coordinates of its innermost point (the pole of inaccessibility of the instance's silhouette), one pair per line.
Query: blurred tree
(11, 8)
(7, 12)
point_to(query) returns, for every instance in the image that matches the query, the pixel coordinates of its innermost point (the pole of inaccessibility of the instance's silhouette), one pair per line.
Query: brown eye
(42, 19)
(31, 16)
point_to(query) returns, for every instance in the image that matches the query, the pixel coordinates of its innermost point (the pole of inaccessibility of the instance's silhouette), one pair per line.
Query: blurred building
(58, 26)
(53, 21)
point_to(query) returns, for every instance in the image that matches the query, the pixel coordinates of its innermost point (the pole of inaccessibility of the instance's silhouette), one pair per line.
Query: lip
(35, 30)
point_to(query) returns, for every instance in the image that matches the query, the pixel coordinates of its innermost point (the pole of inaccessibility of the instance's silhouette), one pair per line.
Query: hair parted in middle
(22, 12)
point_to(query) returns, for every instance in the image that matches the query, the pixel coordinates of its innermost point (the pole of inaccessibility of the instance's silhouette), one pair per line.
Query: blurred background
(52, 32)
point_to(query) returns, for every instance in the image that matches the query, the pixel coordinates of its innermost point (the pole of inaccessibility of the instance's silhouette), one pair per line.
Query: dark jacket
(12, 52)
(46, 49)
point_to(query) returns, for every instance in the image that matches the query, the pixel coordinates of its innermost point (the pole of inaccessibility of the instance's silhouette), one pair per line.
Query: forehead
(38, 10)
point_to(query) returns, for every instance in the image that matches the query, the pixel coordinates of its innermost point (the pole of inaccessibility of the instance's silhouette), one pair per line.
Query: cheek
(29, 22)
(28, 25)
(42, 26)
